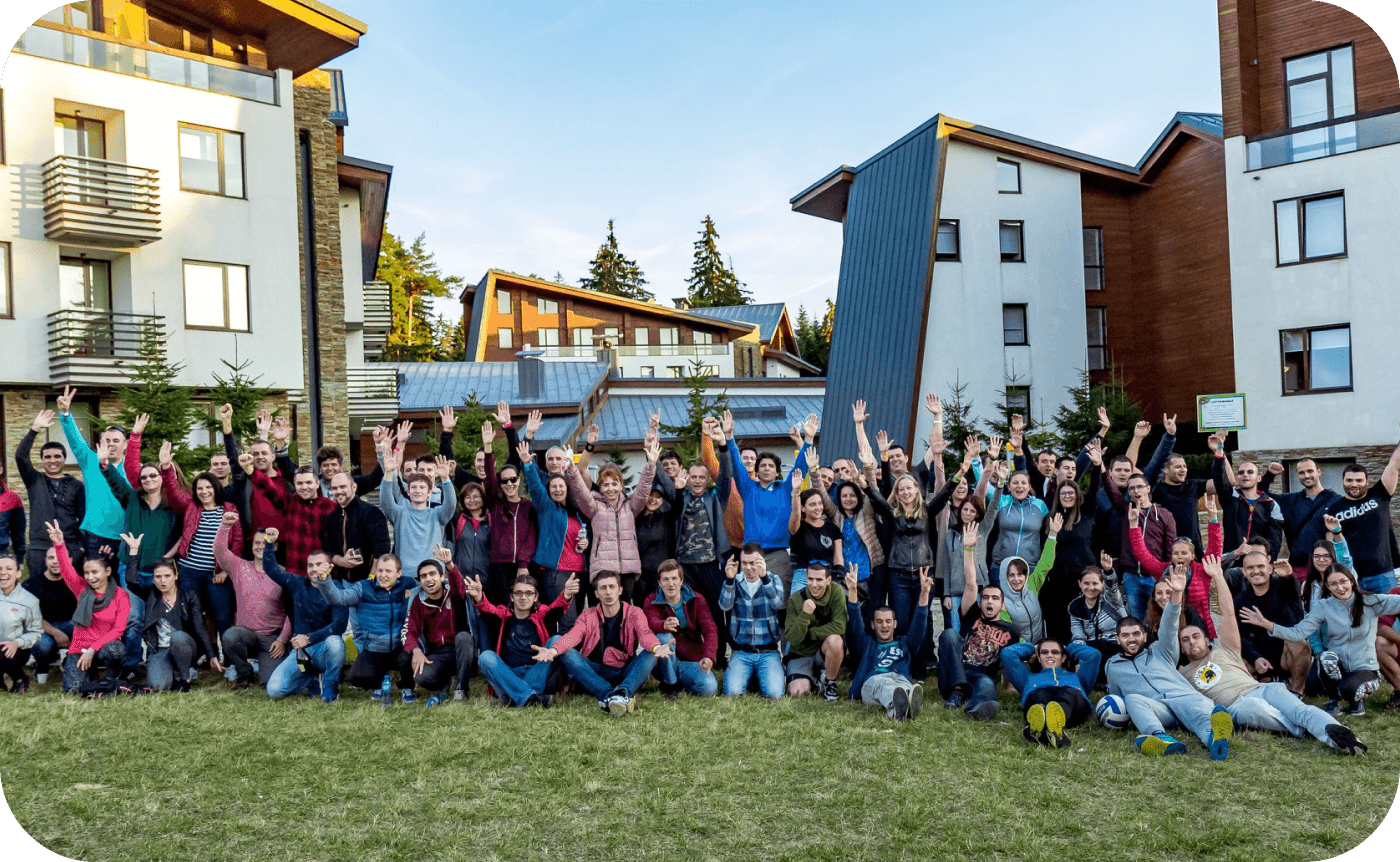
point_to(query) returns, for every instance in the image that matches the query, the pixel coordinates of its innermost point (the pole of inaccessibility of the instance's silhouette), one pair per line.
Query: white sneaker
(194, 674)
(41, 678)
(459, 695)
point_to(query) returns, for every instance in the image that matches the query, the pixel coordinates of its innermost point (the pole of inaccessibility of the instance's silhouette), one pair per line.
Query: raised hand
(65, 401)
(1142, 429)
(447, 418)
(139, 425)
(795, 480)
(973, 446)
(401, 434)
(1176, 579)
(1103, 418)
(133, 543)
(651, 446)
(167, 458)
(933, 405)
(443, 468)
(1095, 452)
(971, 535)
(994, 444)
(264, 424)
(1134, 514)
(882, 440)
(42, 420)
(230, 518)
(488, 433)
(382, 438)
(852, 583)
(1276, 468)
(810, 427)
(1212, 507)
(571, 586)
(1331, 523)
(226, 417)
(533, 423)
(591, 437)
(244, 460)
(731, 568)
(502, 413)
(1105, 561)
(55, 533)
(925, 581)
(441, 554)
(1169, 423)
(1252, 616)
(1211, 564)
(727, 423)
(710, 427)
(281, 430)
(523, 450)
(1057, 521)
(938, 447)
(813, 459)
(271, 534)
(654, 422)
(1018, 423)
(795, 436)
(390, 459)
(858, 414)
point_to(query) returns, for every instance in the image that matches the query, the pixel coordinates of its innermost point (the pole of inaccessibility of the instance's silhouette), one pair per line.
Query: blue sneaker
(1222, 725)
(406, 695)
(313, 688)
(331, 693)
(1159, 744)
(376, 695)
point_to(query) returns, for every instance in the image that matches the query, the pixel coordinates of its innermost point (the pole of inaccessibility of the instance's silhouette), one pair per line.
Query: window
(168, 28)
(503, 302)
(1013, 324)
(676, 371)
(581, 336)
(612, 335)
(947, 243)
(1018, 400)
(1312, 228)
(1320, 87)
(670, 335)
(698, 337)
(1093, 258)
(80, 16)
(548, 337)
(6, 298)
(84, 283)
(1097, 322)
(546, 306)
(710, 370)
(1008, 177)
(648, 371)
(211, 161)
(505, 339)
(216, 296)
(641, 336)
(1317, 359)
(1012, 248)
(80, 136)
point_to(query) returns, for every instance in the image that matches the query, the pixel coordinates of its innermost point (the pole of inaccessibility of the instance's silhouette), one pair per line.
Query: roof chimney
(530, 374)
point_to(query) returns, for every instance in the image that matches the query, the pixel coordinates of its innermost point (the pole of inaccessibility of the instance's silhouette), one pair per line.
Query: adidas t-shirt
(1366, 525)
(1220, 676)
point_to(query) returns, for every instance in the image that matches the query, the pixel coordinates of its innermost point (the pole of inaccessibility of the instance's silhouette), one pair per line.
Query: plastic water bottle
(385, 698)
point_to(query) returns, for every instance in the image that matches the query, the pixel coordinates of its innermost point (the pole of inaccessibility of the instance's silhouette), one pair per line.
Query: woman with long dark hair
(173, 625)
(202, 511)
(1073, 551)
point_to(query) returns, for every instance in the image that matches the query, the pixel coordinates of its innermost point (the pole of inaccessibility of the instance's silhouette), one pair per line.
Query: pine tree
(699, 404)
(611, 272)
(240, 391)
(154, 392)
(413, 277)
(466, 437)
(711, 282)
(1078, 420)
(958, 423)
(814, 337)
(619, 457)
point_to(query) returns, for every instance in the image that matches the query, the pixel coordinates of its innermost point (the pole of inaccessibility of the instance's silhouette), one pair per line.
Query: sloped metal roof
(432, 385)
(765, 317)
(624, 418)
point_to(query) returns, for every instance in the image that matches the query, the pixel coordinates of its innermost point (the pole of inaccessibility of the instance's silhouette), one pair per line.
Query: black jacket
(187, 615)
(60, 499)
(471, 545)
(360, 526)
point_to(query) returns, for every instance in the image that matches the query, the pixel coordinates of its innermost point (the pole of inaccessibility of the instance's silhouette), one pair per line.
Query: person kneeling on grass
(1156, 694)
(882, 672)
(318, 628)
(1221, 675)
(99, 621)
(21, 624)
(972, 654)
(173, 626)
(816, 630)
(610, 651)
(443, 634)
(752, 603)
(677, 615)
(381, 606)
(1052, 696)
(511, 669)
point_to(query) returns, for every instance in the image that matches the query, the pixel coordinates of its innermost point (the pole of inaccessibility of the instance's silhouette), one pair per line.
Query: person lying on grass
(1052, 696)
(882, 673)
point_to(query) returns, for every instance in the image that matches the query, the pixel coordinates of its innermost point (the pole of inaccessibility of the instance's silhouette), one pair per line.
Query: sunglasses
(1052, 652)
(524, 593)
(511, 481)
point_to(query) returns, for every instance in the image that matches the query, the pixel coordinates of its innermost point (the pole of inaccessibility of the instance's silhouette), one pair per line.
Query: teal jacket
(104, 517)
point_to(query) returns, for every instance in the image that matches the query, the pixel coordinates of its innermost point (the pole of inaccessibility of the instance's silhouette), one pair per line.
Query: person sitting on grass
(1220, 673)
(753, 604)
(972, 653)
(1053, 697)
(1022, 607)
(1094, 615)
(816, 630)
(610, 651)
(99, 620)
(262, 629)
(56, 604)
(173, 625)
(510, 668)
(21, 624)
(882, 675)
(678, 615)
(1156, 694)
(1276, 597)
(381, 606)
(318, 628)
(1183, 553)
(1347, 669)
(443, 634)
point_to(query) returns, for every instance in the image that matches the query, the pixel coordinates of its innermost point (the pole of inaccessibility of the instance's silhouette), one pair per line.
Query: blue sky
(518, 130)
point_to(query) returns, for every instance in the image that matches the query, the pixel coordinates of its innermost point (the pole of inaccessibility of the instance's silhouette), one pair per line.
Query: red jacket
(301, 519)
(514, 529)
(1197, 583)
(432, 625)
(190, 511)
(698, 638)
(108, 624)
(588, 631)
(537, 617)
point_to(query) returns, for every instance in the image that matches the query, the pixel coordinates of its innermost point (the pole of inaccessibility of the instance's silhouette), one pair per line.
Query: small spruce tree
(699, 404)
(154, 392)
(712, 283)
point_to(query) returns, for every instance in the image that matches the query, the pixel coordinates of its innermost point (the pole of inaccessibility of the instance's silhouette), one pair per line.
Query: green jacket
(805, 632)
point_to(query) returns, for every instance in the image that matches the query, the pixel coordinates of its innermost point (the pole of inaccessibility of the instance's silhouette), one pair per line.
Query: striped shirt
(201, 553)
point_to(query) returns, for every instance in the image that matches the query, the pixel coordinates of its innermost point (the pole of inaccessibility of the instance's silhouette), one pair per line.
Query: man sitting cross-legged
(610, 651)
(678, 615)
(1052, 697)
(1156, 694)
(1221, 675)
(816, 629)
(882, 672)
(443, 633)
(515, 675)
(972, 653)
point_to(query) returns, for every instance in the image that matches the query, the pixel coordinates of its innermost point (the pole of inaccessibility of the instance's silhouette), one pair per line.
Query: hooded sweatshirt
(1021, 607)
(1355, 646)
(1152, 673)
(1019, 526)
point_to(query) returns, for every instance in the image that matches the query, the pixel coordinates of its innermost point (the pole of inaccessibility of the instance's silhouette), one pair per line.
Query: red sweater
(588, 631)
(190, 511)
(1198, 584)
(537, 617)
(108, 624)
(433, 626)
(301, 519)
(698, 638)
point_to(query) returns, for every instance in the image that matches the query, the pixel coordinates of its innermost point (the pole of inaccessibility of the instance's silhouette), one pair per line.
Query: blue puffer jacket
(554, 519)
(1013, 664)
(381, 613)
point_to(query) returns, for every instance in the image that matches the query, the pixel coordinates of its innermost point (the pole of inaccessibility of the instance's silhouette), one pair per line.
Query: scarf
(89, 603)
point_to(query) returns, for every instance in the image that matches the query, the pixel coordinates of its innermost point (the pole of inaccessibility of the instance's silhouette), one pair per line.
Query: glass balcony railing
(68, 46)
(1331, 139)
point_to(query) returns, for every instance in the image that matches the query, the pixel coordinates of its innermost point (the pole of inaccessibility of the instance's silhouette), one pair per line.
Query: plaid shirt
(302, 519)
(753, 620)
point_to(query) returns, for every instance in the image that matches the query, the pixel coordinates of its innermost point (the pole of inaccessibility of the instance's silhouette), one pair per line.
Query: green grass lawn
(214, 775)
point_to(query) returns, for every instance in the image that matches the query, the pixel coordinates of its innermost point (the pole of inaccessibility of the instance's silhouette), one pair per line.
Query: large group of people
(1059, 575)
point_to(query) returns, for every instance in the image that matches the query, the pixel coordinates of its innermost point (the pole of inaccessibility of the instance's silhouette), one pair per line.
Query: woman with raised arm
(514, 531)
(966, 509)
(202, 513)
(1073, 551)
(814, 536)
(613, 514)
(563, 534)
(99, 621)
(1022, 604)
(853, 514)
(1183, 554)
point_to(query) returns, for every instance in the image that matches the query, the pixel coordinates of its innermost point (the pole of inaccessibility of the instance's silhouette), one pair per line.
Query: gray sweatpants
(1271, 706)
(879, 690)
(1191, 711)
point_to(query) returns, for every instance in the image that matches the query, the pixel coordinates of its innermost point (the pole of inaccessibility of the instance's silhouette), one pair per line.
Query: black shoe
(670, 692)
(181, 685)
(533, 700)
(21, 685)
(900, 705)
(1031, 736)
(1394, 702)
(242, 682)
(546, 700)
(1343, 737)
(956, 699)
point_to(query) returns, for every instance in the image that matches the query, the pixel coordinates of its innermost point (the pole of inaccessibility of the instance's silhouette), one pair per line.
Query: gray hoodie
(1356, 647)
(1021, 607)
(20, 620)
(1152, 673)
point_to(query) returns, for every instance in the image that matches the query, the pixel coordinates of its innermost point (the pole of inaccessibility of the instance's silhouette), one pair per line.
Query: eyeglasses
(151, 477)
(1322, 556)
(511, 481)
(523, 593)
(1052, 652)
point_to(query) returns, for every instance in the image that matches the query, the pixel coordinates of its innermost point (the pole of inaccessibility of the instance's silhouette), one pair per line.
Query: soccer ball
(1112, 712)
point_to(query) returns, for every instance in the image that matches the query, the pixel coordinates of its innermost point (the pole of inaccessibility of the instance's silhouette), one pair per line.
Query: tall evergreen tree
(699, 404)
(154, 392)
(413, 277)
(711, 282)
(1078, 420)
(814, 336)
(612, 272)
(958, 423)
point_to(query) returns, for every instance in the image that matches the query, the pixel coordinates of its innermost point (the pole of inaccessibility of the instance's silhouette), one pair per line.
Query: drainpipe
(308, 253)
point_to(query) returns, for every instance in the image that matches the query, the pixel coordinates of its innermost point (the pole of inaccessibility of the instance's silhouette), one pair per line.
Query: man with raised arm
(303, 511)
(317, 628)
(767, 503)
(261, 629)
(1365, 516)
(104, 519)
(882, 676)
(1246, 512)
(1302, 511)
(511, 668)
(971, 652)
(417, 526)
(53, 496)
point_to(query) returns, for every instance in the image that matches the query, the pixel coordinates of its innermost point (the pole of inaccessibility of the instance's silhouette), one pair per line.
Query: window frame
(505, 338)
(1301, 211)
(1328, 76)
(956, 255)
(1307, 358)
(540, 335)
(223, 180)
(1020, 255)
(544, 305)
(1091, 347)
(646, 371)
(1095, 267)
(1025, 324)
(641, 336)
(677, 372)
(1017, 166)
(7, 272)
(501, 294)
(247, 298)
(675, 336)
(576, 332)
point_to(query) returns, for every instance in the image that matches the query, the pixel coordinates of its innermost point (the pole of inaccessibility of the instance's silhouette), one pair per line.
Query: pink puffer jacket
(613, 543)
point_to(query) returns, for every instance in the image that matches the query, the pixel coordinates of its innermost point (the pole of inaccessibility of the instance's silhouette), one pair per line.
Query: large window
(548, 337)
(581, 336)
(641, 336)
(698, 337)
(670, 335)
(1320, 87)
(1012, 242)
(211, 161)
(1008, 177)
(1316, 359)
(503, 302)
(216, 296)
(1013, 324)
(546, 306)
(84, 283)
(1093, 258)
(7, 308)
(1311, 228)
(505, 339)
(947, 246)
(1097, 327)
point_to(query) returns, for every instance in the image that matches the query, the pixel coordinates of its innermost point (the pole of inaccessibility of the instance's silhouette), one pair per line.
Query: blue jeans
(131, 638)
(601, 680)
(328, 657)
(904, 593)
(516, 683)
(173, 663)
(1137, 590)
(767, 666)
(954, 675)
(687, 674)
(1379, 584)
(218, 599)
(46, 650)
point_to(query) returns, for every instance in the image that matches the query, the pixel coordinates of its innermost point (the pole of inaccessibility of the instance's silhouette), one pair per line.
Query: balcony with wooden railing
(100, 202)
(373, 394)
(378, 318)
(90, 347)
